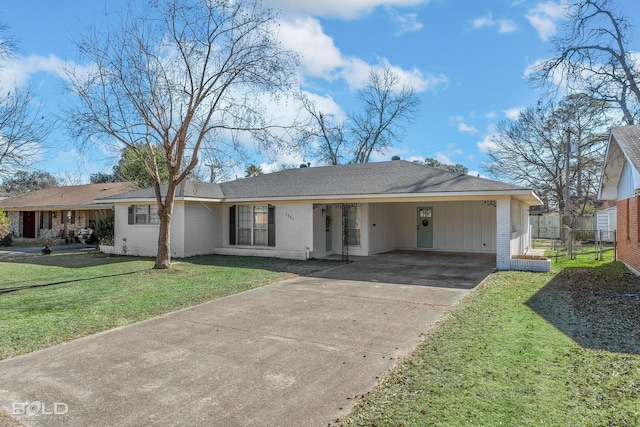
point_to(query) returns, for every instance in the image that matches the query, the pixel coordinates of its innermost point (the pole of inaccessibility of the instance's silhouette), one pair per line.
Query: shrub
(105, 230)
(6, 239)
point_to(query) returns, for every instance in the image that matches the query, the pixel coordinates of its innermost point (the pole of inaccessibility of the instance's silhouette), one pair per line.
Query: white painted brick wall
(503, 234)
(537, 265)
(134, 239)
(294, 233)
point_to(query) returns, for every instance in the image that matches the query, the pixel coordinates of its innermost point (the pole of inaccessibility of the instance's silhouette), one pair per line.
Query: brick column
(503, 234)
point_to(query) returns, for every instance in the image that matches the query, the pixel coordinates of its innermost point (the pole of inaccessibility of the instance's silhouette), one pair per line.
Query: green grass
(525, 349)
(46, 300)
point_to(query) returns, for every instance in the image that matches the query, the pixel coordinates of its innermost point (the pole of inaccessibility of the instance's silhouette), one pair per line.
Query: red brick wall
(628, 233)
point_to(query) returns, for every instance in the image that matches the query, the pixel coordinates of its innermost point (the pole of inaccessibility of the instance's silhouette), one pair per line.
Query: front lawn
(556, 349)
(46, 300)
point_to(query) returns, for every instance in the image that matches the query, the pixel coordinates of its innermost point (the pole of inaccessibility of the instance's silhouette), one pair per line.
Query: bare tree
(326, 131)
(387, 106)
(592, 56)
(23, 128)
(184, 76)
(534, 151)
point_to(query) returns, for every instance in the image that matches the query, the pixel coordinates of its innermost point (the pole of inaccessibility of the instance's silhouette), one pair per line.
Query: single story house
(43, 213)
(314, 212)
(620, 182)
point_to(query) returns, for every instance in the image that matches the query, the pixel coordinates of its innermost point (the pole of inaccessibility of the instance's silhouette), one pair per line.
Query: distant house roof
(71, 197)
(383, 179)
(624, 144)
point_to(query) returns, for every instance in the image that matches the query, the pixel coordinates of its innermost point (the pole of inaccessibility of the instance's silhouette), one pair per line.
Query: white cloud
(544, 17)
(505, 26)
(483, 22)
(350, 9)
(513, 113)
(459, 123)
(320, 57)
(408, 22)
(442, 158)
(465, 128)
(490, 115)
(485, 144)
(16, 71)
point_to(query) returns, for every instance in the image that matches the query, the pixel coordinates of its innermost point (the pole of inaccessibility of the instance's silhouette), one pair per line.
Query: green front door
(425, 227)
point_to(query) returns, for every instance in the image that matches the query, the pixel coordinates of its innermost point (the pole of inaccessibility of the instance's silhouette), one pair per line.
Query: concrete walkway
(296, 353)
(13, 252)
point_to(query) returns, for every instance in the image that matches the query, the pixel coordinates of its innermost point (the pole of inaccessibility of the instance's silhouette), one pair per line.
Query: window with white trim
(353, 228)
(143, 214)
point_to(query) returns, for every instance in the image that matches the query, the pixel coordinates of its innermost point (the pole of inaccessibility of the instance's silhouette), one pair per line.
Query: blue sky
(466, 58)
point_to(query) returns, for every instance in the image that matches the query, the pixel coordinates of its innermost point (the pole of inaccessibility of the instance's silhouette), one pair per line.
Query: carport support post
(345, 232)
(503, 234)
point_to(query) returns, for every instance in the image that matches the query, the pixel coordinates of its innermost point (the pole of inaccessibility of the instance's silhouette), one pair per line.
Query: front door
(28, 224)
(425, 227)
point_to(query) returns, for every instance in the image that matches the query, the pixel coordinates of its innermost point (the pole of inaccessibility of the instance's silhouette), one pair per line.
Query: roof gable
(623, 147)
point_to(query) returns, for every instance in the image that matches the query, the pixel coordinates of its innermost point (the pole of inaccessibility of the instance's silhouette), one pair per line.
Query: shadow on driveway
(422, 268)
(598, 307)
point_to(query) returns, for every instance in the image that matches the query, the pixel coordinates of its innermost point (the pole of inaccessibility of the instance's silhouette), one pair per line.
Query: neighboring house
(620, 181)
(43, 213)
(300, 213)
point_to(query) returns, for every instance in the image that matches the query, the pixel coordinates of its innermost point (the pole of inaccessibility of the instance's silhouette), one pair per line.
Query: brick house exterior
(620, 182)
(311, 212)
(49, 212)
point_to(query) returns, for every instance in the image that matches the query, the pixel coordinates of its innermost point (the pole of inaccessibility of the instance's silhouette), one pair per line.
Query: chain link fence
(579, 244)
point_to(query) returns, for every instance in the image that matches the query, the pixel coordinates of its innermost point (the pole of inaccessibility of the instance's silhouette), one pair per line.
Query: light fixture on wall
(324, 212)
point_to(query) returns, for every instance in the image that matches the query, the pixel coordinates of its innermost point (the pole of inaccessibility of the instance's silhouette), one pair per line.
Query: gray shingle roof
(392, 177)
(186, 188)
(383, 178)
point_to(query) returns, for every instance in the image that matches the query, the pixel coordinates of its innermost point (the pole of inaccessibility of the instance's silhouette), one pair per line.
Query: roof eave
(526, 195)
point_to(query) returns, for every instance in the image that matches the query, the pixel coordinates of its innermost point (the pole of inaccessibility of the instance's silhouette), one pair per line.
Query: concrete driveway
(295, 353)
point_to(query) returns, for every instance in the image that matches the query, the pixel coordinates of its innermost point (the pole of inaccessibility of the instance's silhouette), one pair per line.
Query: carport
(454, 270)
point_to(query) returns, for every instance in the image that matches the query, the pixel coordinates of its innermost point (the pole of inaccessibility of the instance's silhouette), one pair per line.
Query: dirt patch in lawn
(597, 307)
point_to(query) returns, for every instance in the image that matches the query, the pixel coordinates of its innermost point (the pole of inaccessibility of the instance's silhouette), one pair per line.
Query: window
(353, 228)
(252, 225)
(69, 217)
(260, 225)
(244, 225)
(143, 214)
(46, 220)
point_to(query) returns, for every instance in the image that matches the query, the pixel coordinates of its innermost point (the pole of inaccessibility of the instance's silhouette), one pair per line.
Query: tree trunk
(165, 210)
(163, 257)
